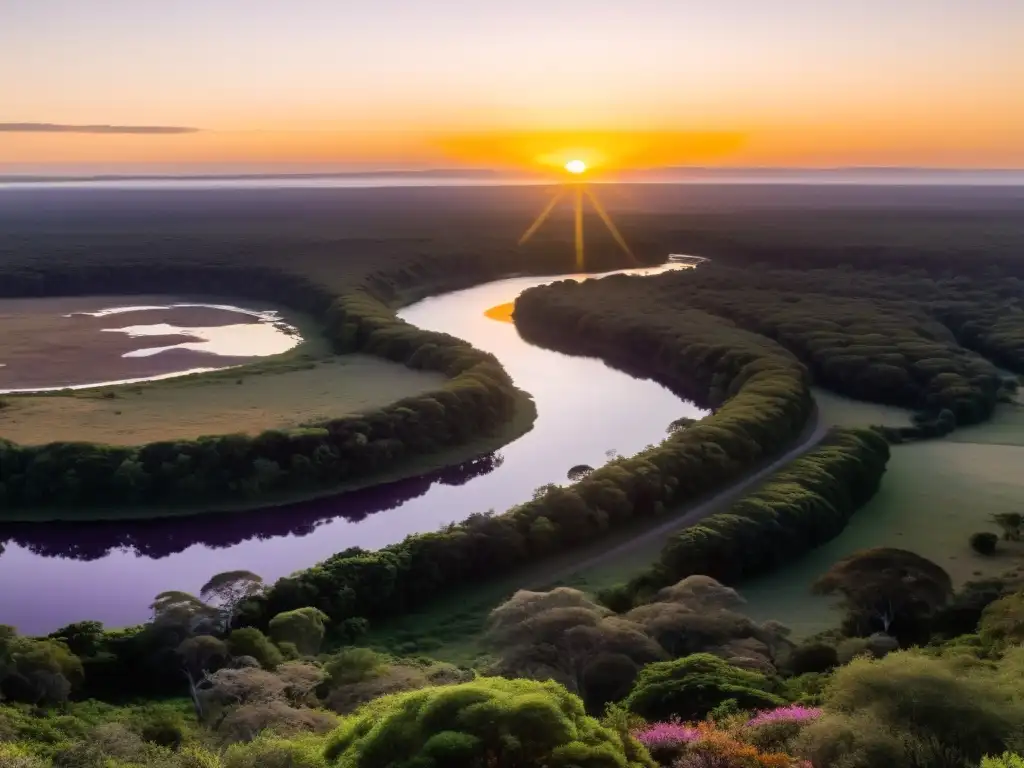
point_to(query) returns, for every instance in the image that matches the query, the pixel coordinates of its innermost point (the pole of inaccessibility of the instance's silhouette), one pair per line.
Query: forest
(665, 670)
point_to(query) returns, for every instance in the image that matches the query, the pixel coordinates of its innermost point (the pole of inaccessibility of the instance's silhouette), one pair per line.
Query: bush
(16, 756)
(984, 542)
(812, 657)
(491, 721)
(691, 687)
(1006, 760)
(273, 752)
(249, 641)
(941, 710)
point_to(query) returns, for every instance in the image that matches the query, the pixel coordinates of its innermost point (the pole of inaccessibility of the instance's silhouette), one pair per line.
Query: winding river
(58, 573)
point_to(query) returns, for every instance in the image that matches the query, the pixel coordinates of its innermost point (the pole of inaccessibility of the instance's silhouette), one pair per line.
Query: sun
(575, 166)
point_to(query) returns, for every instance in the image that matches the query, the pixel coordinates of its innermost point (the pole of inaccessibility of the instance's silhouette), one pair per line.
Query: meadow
(232, 402)
(935, 494)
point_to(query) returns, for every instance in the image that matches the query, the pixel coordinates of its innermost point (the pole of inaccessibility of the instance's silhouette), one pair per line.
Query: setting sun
(575, 166)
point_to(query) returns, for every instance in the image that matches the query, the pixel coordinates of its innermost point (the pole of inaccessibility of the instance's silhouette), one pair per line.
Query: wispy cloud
(62, 128)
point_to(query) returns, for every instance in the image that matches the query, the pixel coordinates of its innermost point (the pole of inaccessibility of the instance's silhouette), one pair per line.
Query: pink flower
(792, 713)
(666, 735)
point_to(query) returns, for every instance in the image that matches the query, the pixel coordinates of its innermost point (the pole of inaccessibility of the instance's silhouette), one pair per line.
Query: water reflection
(58, 357)
(163, 537)
(110, 572)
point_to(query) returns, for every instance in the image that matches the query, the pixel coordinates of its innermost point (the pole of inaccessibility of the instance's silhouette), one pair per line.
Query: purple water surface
(53, 574)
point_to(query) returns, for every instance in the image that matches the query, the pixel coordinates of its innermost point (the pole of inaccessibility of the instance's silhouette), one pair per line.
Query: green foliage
(37, 671)
(17, 756)
(1002, 622)
(691, 687)
(303, 627)
(934, 711)
(508, 722)
(249, 641)
(1006, 760)
(887, 589)
(561, 635)
(984, 542)
(478, 397)
(812, 657)
(272, 752)
(803, 505)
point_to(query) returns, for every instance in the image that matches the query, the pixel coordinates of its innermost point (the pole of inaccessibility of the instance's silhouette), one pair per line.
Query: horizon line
(493, 172)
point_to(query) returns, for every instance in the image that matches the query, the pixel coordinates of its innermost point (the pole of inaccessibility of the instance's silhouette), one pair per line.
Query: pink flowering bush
(706, 745)
(791, 713)
(666, 741)
(776, 729)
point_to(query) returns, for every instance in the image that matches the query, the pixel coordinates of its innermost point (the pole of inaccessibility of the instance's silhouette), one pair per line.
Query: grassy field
(204, 405)
(934, 496)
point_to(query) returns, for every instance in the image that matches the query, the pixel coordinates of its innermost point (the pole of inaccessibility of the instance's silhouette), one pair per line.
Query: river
(57, 573)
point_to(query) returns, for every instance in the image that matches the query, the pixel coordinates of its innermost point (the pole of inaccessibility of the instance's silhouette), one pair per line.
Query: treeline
(477, 399)
(763, 403)
(805, 504)
(868, 348)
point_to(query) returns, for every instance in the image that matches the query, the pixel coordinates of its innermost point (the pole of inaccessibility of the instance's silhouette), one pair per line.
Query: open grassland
(196, 406)
(935, 494)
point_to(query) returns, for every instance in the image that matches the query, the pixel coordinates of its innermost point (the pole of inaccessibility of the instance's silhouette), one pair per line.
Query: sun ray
(610, 224)
(579, 229)
(542, 217)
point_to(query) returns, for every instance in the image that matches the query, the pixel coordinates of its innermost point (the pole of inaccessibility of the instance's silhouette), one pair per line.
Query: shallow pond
(45, 347)
(110, 572)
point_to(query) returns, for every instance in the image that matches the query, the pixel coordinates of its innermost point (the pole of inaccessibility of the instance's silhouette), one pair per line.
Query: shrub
(689, 688)
(491, 721)
(16, 756)
(812, 657)
(984, 542)
(940, 708)
(273, 752)
(666, 741)
(249, 641)
(1006, 760)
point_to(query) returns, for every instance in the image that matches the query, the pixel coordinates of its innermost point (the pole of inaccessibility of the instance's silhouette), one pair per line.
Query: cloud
(117, 129)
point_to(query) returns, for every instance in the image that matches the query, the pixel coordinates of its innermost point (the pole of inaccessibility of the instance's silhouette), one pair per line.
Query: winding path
(694, 512)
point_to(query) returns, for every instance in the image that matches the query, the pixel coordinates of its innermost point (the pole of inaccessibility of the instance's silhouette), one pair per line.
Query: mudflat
(50, 342)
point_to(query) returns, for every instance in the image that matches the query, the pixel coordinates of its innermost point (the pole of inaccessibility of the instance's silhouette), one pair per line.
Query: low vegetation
(193, 407)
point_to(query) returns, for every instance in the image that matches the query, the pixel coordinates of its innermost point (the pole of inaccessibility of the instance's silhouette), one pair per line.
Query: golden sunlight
(575, 166)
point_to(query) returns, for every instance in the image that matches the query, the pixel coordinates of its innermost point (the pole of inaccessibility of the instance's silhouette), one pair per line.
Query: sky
(307, 85)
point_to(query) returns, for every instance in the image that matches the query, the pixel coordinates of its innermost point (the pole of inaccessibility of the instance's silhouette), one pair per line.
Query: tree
(696, 615)
(181, 613)
(304, 627)
(200, 655)
(984, 542)
(579, 471)
(491, 721)
(1002, 622)
(249, 641)
(227, 590)
(561, 635)
(37, 671)
(889, 589)
(689, 688)
(1011, 523)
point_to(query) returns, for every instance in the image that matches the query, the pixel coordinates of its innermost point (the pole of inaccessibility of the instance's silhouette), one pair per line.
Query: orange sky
(318, 84)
